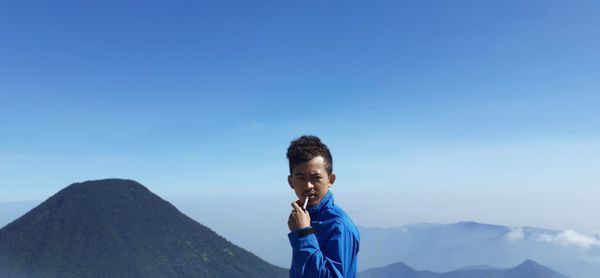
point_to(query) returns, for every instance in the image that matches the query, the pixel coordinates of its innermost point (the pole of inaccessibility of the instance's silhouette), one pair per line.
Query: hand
(299, 218)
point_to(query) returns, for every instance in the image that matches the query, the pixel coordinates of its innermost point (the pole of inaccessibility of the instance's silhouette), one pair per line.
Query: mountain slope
(527, 269)
(118, 228)
(397, 270)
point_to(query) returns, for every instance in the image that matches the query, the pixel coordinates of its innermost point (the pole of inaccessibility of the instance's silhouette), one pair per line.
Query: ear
(290, 181)
(331, 179)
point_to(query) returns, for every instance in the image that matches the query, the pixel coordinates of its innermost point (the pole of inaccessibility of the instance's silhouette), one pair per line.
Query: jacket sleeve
(335, 259)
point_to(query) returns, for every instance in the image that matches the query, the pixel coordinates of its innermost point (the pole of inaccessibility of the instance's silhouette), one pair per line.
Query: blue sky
(198, 97)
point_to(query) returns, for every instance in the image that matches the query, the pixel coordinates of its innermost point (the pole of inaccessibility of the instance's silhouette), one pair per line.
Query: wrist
(302, 232)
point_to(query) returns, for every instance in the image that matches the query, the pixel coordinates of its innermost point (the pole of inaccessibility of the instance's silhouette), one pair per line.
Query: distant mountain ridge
(527, 269)
(446, 247)
(118, 228)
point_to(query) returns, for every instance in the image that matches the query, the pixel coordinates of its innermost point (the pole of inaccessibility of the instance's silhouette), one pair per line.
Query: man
(324, 240)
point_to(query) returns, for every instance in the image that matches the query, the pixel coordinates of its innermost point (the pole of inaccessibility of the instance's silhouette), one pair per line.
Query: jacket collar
(326, 202)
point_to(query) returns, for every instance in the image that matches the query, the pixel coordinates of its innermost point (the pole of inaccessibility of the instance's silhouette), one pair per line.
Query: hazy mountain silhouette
(447, 247)
(118, 228)
(527, 269)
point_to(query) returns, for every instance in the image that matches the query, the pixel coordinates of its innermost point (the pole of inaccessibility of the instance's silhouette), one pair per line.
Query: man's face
(311, 179)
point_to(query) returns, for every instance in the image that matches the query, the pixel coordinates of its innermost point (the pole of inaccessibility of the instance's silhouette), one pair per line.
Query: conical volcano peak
(112, 183)
(115, 188)
(119, 228)
(106, 201)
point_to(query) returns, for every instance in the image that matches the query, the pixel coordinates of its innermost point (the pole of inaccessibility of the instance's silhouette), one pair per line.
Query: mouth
(311, 195)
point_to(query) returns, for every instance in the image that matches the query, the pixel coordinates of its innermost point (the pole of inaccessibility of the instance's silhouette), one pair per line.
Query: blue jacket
(332, 249)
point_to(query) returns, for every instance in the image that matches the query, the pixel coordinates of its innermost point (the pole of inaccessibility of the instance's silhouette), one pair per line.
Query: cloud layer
(570, 238)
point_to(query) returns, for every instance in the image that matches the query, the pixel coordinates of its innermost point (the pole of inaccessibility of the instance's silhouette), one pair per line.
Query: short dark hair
(306, 148)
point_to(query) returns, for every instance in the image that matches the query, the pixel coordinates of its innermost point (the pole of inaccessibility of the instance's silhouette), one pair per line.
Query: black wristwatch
(305, 231)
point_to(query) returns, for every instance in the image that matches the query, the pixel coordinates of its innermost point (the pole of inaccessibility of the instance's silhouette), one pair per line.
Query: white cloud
(516, 234)
(570, 238)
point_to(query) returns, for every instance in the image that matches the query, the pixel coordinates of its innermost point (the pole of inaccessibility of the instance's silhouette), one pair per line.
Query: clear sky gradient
(489, 99)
